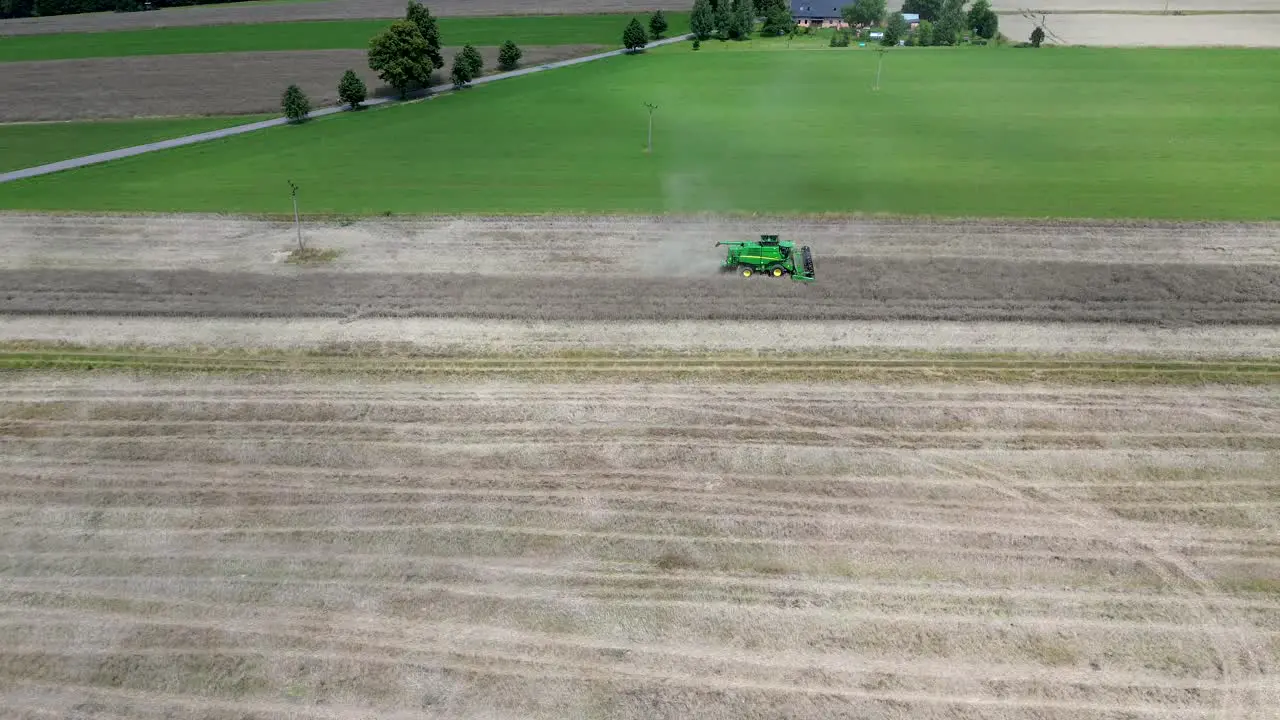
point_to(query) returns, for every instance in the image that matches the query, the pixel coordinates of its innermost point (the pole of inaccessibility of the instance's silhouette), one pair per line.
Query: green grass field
(28, 145)
(977, 131)
(532, 30)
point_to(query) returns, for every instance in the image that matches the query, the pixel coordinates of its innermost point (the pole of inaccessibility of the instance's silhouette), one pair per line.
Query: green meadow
(24, 145)
(326, 35)
(761, 128)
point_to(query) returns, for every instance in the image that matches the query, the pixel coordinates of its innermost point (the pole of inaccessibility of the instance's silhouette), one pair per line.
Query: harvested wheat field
(1261, 30)
(285, 547)
(230, 83)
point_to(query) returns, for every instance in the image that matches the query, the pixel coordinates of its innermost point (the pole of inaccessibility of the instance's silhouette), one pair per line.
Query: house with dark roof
(817, 14)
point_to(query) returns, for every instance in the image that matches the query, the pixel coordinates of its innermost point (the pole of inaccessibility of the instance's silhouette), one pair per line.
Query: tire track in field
(1231, 635)
(697, 557)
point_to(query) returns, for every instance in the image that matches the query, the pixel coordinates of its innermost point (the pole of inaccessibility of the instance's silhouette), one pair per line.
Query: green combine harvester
(769, 256)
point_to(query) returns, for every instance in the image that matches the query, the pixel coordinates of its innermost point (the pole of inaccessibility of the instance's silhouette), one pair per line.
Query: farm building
(817, 14)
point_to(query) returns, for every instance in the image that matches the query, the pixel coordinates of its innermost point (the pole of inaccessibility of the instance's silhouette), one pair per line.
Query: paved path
(251, 127)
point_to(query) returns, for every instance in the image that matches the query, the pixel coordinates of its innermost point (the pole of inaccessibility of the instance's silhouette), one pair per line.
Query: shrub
(295, 104)
(840, 38)
(1037, 36)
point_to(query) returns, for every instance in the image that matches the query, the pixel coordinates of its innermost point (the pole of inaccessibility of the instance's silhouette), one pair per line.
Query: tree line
(942, 22)
(405, 55)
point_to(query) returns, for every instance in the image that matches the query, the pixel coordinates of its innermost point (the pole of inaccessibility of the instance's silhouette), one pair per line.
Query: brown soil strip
(320, 10)
(201, 84)
(864, 288)
(600, 269)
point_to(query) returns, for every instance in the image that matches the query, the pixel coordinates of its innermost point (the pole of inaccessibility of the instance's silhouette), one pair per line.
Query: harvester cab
(769, 256)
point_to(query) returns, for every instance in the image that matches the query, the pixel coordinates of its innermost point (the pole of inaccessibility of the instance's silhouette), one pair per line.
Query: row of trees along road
(405, 55)
(634, 37)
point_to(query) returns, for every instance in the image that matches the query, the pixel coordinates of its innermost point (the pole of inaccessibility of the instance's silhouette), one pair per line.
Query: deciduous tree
(295, 104)
(509, 56)
(743, 19)
(723, 15)
(924, 33)
(983, 20)
(777, 18)
(634, 37)
(950, 24)
(467, 66)
(1037, 36)
(474, 60)
(400, 57)
(351, 89)
(929, 10)
(702, 21)
(895, 30)
(864, 12)
(419, 15)
(657, 24)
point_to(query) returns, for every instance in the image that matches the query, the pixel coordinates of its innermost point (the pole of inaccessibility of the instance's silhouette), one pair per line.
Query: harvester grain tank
(769, 256)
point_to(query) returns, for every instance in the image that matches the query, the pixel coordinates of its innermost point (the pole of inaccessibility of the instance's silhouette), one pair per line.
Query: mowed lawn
(979, 131)
(328, 35)
(24, 145)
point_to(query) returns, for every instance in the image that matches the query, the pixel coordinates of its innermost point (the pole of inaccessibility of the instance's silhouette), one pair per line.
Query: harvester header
(769, 256)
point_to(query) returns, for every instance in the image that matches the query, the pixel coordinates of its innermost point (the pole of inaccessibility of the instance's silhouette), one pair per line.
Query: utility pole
(296, 223)
(881, 50)
(651, 107)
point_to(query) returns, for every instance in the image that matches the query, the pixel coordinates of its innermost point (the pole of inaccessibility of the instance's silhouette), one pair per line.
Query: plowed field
(231, 548)
(230, 83)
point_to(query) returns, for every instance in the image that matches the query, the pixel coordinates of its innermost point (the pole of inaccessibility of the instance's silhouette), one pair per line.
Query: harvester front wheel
(746, 272)
(776, 271)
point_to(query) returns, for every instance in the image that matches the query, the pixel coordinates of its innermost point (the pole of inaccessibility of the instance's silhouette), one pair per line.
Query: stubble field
(754, 539)
(287, 547)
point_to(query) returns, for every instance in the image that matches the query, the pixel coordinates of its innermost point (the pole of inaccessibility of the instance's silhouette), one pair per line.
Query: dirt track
(335, 549)
(593, 270)
(225, 83)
